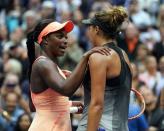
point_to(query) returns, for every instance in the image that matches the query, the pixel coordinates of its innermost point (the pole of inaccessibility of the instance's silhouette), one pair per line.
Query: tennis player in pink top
(48, 85)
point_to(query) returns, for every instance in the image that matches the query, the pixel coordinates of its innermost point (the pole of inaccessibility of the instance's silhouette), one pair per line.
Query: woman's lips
(63, 47)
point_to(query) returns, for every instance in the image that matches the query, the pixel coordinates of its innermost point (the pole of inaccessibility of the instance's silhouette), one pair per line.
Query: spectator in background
(30, 18)
(74, 4)
(3, 37)
(158, 49)
(150, 37)
(65, 15)
(34, 5)
(161, 1)
(2, 75)
(129, 41)
(19, 53)
(13, 66)
(162, 100)
(48, 10)
(138, 16)
(80, 31)
(161, 82)
(15, 38)
(99, 5)
(23, 122)
(161, 66)
(136, 83)
(11, 84)
(13, 17)
(160, 18)
(151, 76)
(154, 115)
(11, 101)
(141, 54)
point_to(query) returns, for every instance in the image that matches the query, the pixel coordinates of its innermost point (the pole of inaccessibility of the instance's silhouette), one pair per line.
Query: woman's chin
(62, 53)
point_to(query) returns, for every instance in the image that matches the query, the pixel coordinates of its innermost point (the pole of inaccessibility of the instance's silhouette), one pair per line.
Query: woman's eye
(60, 36)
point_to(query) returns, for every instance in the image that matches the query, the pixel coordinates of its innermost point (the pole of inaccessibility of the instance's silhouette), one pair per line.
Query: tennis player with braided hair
(107, 82)
(48, 85)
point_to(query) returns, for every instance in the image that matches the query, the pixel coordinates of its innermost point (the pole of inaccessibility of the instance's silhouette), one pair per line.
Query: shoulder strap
(61, 73)
(121, 77)
(117, 49)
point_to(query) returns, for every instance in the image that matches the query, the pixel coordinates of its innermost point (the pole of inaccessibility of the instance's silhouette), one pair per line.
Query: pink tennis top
(52, 111)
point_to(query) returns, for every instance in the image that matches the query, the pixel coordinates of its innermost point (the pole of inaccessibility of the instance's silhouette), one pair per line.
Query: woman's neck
(49, 55)
(102, 42)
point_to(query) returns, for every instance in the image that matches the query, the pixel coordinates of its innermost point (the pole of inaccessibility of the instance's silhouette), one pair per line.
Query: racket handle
(74, 109)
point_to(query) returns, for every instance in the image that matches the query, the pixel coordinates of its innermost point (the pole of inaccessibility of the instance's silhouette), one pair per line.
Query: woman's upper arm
(50, 74)
(98, 71)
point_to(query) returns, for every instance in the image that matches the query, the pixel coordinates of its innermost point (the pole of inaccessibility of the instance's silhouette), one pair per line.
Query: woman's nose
(65, 39)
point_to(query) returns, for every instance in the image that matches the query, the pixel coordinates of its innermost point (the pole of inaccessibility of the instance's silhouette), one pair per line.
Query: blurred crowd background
(142, 39)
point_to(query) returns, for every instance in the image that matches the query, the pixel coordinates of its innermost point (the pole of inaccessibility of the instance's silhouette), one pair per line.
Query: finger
(107, 51)
(80, 109)
(103, 52)
(81, 105)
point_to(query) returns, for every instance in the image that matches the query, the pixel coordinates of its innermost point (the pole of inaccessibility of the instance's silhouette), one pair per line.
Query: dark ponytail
(31, 50)
(32, 39)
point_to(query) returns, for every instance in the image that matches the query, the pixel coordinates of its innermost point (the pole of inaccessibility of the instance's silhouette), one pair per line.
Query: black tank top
(116, 99)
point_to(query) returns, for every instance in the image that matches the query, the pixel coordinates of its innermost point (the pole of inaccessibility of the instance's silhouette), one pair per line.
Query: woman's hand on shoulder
(100, 50)
(67, 73)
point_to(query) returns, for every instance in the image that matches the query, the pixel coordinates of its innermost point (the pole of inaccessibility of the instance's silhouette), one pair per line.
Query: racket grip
(73, 109)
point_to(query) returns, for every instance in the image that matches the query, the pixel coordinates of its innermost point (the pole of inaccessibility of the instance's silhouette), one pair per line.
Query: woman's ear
(97, 29)
(45, 40)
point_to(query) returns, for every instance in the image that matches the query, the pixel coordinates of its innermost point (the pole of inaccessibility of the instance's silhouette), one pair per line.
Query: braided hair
(32, 38)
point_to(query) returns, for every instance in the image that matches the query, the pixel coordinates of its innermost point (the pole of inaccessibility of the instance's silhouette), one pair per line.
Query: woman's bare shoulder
(43, 63)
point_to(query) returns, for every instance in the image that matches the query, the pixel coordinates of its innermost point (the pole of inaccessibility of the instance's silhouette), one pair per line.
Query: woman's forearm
(73, 82)
(94, 116)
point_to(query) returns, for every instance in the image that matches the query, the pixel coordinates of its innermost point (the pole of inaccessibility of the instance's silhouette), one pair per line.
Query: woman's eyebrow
(59, 33)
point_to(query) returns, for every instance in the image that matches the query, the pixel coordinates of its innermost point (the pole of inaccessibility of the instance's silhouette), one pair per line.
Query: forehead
(11, 96)
(62, 31)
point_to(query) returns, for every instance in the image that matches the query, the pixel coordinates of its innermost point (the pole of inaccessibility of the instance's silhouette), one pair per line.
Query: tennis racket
(141, 98)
